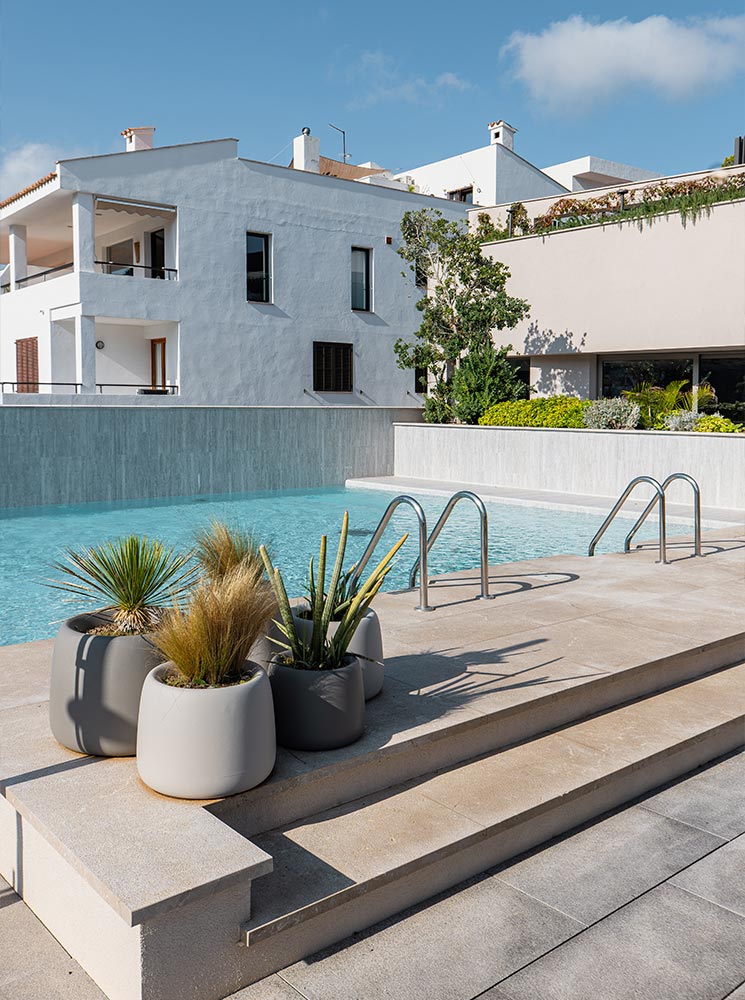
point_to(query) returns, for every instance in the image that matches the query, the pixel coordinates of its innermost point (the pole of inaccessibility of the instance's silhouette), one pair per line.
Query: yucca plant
(208, 639)
(136, 576)
(319, 651)
(221, 547)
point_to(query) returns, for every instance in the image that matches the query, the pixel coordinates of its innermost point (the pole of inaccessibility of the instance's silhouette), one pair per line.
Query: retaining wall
(598, 463)
(56, 454)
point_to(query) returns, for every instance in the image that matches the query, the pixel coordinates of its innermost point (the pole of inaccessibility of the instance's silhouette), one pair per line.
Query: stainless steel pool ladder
(658, 499)
(365, 558)
(484, 524)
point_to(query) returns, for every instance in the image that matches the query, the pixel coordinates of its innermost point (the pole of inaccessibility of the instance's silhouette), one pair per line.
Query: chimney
(138, 138)
(500, 133)
(306, 152)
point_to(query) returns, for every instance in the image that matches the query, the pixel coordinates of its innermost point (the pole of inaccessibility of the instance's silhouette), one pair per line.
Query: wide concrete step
(406, 737)
(344, 869)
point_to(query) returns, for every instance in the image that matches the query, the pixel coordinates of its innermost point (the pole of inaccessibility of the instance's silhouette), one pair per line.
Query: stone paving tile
(667, 945)
(33, 965)
(271, 988)
(593, 871)
(24, 673)
(711, 799)
(449, 950)
(719, 877)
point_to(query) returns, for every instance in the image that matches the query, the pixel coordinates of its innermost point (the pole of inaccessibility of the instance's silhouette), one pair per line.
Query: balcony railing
(52, 272)
(128, 270)
(139, 387)
(34, 386)
(4, 289)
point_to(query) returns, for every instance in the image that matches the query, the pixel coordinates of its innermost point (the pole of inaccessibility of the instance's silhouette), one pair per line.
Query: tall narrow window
(258, 276)
(361, 279)
(332, 367)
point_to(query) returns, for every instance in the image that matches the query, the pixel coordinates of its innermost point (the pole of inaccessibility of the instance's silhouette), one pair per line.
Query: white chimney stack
(138, 138)
(306, 152)
(502, 134)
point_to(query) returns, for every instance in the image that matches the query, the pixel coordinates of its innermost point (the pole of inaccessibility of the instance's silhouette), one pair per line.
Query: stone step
(346, 868)
(407, 738)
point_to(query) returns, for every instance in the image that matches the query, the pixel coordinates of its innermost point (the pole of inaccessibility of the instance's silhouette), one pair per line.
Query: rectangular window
(27, 364)
(626, 373)
(258, 276)
(361, 279)
(421, 381)
(120, 257)
(332, 367)
(462, 194)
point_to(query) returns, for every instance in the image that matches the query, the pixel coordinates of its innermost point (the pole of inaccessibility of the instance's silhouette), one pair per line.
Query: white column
(83, 231)
(85, 353)
(17, 253)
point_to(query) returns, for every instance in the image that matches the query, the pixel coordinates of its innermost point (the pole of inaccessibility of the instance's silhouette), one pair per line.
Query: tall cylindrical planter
(367, 644)
(95, 687)
(318, 709)
(205, 743)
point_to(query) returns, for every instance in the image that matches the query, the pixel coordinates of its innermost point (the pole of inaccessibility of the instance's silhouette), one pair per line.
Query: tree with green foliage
(466, 300)
(485, 376)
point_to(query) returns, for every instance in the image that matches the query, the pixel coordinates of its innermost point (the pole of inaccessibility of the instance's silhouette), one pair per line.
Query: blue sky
(661, 87)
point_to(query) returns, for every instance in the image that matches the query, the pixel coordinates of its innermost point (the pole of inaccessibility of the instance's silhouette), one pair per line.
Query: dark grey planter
(318, 709)
(367, 644)
(205, 743)
(95, 688)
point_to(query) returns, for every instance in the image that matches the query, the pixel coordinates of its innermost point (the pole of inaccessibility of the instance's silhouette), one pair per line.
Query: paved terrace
(556, 626)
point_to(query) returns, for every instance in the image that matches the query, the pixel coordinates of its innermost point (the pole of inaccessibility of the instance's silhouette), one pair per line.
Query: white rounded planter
(367, 644)
(205, 743)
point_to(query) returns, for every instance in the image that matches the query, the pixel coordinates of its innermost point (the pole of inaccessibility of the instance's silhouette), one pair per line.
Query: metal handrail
(74, 385)
(653, 503)
(417, 507)
(484, 521)
(659, 498)
(169, 390)
(168, 273)
(42, 275)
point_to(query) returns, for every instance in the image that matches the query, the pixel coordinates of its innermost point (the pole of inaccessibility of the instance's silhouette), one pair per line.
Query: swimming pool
(290, 522)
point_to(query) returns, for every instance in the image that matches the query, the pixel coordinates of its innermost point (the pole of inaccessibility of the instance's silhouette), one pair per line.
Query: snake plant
(320, 651)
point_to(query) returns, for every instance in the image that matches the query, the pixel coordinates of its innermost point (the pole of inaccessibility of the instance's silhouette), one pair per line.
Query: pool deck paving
(557, 630)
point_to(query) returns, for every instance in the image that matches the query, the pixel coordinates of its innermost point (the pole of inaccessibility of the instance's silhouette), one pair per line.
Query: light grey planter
(95, 687)
(318, 709)
(205, 743)
(367, 644)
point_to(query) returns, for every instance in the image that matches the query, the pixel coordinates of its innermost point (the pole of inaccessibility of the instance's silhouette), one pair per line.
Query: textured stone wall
(54, 455)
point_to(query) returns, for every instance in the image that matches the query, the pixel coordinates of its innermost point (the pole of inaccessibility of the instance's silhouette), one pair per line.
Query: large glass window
(623, 374)
(332, 367)
(258, 275)
(120, 257)
(361, 297)
(726, 375)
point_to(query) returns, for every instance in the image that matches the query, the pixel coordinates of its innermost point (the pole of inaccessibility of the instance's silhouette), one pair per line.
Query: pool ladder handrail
(484, 524)
(655, 500)
(422, 519)
(659, 497)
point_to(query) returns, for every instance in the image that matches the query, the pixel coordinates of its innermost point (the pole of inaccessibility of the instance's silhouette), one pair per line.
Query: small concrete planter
(95, 687)
(318, 709)
(205, 743)
(367, 644)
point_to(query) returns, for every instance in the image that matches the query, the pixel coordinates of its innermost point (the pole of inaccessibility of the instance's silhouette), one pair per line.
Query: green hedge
(549, 411)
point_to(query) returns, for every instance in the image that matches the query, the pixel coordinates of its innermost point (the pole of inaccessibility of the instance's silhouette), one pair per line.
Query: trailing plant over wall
(548, 411)
(691, 199)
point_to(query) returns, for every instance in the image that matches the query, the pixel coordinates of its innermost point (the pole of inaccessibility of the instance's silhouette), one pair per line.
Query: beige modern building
(617, 303)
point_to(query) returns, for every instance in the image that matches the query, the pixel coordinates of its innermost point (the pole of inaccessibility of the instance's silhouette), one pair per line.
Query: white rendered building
(191, 275)
(495, 174)
(616, 303)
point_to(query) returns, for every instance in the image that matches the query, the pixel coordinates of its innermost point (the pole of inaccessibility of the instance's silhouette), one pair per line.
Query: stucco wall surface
(52, 455)
(597, 463)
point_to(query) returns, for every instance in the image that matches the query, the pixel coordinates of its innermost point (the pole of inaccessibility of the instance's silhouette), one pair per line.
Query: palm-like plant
(137, 577)
(210, 638)
(221, 547)
(319, 651)
(656, 402)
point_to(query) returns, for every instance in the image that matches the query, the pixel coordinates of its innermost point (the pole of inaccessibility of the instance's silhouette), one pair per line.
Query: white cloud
(382, 81)
(25, 164)
(587, 62)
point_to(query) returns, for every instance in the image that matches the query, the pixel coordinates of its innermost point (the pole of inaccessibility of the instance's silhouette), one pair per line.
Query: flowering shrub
(712, 423)
(612, 414)
(549, 411)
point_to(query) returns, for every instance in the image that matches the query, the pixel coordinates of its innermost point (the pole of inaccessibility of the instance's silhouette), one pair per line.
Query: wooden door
(27, 364)
(158, 362)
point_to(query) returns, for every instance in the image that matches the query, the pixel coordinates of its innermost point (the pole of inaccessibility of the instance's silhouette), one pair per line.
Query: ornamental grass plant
(137, 578)
(221, 547)
(208, 640)
(320, 651)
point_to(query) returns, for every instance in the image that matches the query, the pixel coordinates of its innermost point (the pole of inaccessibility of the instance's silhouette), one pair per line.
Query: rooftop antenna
(345, 154)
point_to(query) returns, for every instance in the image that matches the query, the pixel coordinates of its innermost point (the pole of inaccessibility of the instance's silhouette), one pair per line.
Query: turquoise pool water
(290, 522)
